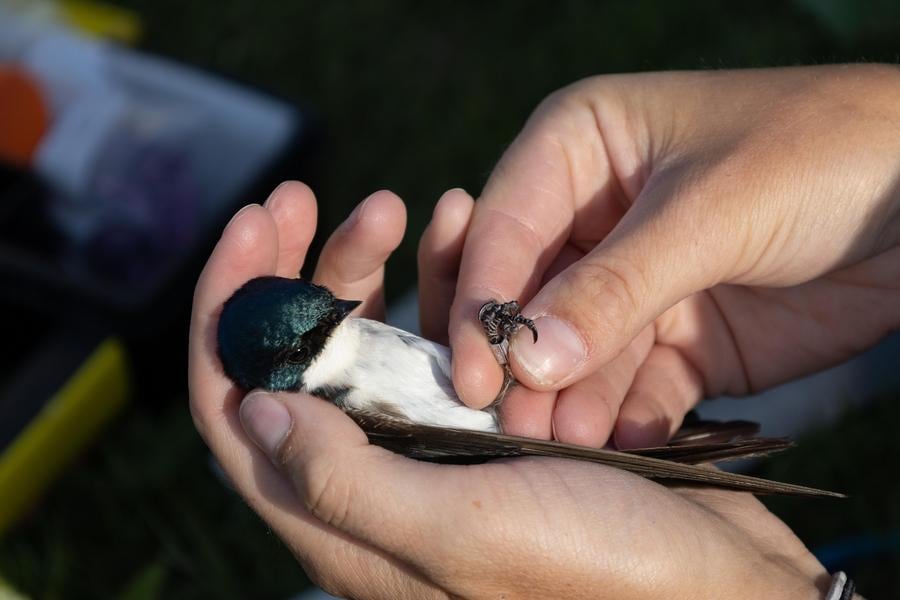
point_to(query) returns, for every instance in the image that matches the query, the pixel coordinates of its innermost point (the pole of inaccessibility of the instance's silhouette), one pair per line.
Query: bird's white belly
(411, 381)
(391, 371)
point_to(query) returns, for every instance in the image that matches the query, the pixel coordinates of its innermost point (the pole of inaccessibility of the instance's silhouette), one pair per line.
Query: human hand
(367, 523)
(676, 235)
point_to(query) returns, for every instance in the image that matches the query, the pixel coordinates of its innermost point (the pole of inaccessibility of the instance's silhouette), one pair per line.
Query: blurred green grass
(418, 97)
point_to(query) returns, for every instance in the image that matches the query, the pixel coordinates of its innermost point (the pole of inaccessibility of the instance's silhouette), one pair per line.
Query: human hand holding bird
(365, 522)
(286, 334)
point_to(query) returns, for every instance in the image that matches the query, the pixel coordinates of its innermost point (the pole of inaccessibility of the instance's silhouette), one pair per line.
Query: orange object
(23, 116)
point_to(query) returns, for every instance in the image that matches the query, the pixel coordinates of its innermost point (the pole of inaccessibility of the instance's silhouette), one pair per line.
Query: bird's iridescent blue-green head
(273, 328)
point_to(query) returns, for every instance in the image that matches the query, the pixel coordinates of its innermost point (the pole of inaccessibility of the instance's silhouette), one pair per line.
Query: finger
(568, 255)
(440, 251)
(377, 497)
(352, 261)
(522, 219)
(587, 410)
(665, 388)
(248, 248)
(293, 207)
(528, 413)
(586, 315)
(334, 560)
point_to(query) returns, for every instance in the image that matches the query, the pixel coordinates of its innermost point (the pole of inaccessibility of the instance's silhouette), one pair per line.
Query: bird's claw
(501, 320)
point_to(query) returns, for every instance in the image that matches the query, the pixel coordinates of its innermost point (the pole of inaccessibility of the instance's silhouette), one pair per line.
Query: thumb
(366, 492)
(589, 313)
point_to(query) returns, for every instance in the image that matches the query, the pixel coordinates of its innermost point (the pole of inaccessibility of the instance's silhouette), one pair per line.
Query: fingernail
(629, 436)
(456, 190)
(641, 425)
(357, 213)
(239, 213)
(558, 351)
(266, 421)
(270, 201)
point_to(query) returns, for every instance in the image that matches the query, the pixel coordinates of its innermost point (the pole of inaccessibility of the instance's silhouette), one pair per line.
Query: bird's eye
(298, 355)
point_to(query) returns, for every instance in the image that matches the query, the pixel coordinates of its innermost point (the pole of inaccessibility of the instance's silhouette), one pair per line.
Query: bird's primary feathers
(291, 335)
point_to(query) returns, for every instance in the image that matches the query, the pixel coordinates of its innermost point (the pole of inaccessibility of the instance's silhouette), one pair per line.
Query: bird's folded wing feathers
(677, 463)
(440, 355)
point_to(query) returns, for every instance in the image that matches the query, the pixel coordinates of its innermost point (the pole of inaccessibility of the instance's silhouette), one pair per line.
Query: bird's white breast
(385, 369)
(336, 358)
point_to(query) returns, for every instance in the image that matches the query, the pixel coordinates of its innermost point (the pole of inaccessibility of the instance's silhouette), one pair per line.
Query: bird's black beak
(345, 307)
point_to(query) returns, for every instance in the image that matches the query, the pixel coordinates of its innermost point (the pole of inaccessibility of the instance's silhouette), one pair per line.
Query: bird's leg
(500, 353)
(500, 322)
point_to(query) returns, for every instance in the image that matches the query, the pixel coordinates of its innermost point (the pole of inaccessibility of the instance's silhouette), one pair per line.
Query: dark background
(417, 98)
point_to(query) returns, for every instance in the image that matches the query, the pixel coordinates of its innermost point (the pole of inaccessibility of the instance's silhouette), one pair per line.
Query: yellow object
(102, 20)
(94, 18)
(94, 394)
(8, 593)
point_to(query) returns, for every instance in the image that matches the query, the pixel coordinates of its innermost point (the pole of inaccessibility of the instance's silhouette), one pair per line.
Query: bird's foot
(500, 322)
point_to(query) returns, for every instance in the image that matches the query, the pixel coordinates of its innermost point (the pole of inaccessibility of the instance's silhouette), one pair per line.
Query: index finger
(519, 224)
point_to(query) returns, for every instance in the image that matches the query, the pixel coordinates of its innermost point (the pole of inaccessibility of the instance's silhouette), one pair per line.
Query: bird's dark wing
(701, 441)
(696, 431)
(710, 452)
(670, 464)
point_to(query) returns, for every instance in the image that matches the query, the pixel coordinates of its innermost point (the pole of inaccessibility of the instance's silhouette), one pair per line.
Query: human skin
(713, 233)
(681, 235)
(366, 523)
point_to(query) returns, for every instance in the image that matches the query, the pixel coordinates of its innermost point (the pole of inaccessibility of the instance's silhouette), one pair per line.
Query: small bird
(283, 334)
(291, 335)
